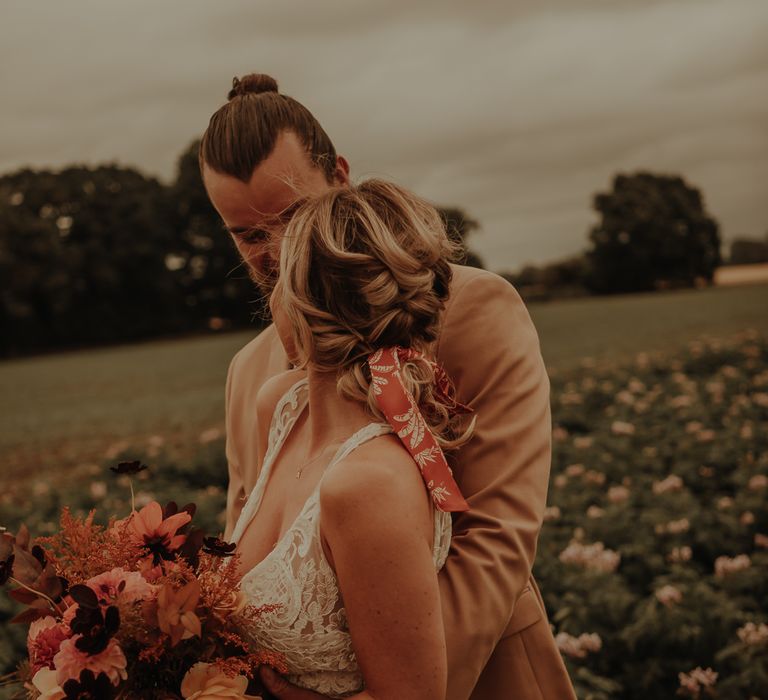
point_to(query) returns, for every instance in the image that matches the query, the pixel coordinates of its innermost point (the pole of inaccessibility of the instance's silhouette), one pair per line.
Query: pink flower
(619, 427)
(669, 595)
(574, 470)
(618, 494)
(551, 513)
(667, 485)
(673, 527)
(70, 661)
(753, 634)
(724, 502)
(681, 401)
(679, 554)
(591, 556)
(595, 512)
(107, 586)
(758, 482)
(592, 476)
(695, 681)
(43, 641)
(578, 647)
(761, 540)
(730, 565)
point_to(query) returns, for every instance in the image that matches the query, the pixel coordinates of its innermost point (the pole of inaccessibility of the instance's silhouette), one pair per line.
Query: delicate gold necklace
(306, 464)
(324, 453)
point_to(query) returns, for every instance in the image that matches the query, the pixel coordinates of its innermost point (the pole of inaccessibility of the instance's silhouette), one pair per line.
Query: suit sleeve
(490, 348)
(235, 490)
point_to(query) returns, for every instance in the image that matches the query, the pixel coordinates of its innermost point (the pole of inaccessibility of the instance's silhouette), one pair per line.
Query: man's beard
(264, 280)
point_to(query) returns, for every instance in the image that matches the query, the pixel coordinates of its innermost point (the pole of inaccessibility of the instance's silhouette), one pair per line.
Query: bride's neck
(331, 417)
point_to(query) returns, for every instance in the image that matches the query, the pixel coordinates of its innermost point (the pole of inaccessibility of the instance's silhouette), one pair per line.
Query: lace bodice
(310, 627)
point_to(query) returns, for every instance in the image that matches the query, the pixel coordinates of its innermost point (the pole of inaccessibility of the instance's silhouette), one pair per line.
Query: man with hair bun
(262, 153)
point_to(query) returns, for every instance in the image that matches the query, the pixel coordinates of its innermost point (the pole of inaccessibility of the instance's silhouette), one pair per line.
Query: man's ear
(341, 172)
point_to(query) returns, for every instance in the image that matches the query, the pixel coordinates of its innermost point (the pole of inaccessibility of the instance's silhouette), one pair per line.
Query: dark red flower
(6, 569)
(217, 547)
(96, 625)
(129, 468)
(89, 687)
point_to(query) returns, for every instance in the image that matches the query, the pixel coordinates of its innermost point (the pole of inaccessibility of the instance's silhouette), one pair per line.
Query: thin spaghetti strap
(284, 417)
(365, 433)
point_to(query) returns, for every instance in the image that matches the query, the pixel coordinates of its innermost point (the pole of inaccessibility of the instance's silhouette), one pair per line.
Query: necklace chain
(306, 464)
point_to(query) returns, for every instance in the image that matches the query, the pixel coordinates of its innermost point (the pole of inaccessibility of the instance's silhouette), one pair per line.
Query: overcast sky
(517, 111)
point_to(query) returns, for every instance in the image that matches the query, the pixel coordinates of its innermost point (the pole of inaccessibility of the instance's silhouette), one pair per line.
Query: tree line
(653, 233)
(107, 254)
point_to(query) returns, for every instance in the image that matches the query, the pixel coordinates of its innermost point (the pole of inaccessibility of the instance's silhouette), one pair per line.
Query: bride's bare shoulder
(274, 389)
(378, 474)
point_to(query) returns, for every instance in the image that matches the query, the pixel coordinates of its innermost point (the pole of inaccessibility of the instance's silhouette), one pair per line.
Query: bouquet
(144, 607)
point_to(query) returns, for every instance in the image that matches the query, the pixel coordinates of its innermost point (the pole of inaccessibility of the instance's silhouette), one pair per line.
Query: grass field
(71, 408)
(653, 558)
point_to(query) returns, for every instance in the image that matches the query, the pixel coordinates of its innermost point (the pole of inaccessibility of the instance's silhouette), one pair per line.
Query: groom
(261, 152)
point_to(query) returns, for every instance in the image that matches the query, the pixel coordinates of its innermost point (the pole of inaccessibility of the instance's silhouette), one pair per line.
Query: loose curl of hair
(367, 267)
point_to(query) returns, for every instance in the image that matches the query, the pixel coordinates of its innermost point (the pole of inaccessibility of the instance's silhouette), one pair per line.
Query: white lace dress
(310, 627)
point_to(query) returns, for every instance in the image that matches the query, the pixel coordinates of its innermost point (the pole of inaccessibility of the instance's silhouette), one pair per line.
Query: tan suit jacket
(500, 644)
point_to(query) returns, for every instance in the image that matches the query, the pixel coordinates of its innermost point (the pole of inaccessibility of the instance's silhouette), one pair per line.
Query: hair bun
(253, 82)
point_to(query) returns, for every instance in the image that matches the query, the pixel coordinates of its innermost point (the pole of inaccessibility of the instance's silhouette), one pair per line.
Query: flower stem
(56, 608)
(10, 679)
(133, 498)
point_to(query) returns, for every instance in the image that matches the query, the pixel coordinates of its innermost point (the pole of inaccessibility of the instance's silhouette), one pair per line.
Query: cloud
(518, 112)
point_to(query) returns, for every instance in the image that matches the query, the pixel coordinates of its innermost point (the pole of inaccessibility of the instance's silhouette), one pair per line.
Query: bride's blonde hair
(367, 267)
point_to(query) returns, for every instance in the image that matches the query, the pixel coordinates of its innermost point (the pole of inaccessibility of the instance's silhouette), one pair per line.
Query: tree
(81, 257)
(653, 232)
(458, 225)
(746, 251)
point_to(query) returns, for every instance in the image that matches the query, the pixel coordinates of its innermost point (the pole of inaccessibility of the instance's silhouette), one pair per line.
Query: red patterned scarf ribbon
(400, 409)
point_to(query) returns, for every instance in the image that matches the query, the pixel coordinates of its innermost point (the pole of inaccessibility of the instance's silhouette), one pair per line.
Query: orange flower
(176, 611)
(207, 682)
(148, 529)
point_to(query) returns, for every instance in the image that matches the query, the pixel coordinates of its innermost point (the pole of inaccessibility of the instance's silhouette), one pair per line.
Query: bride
(349, 521)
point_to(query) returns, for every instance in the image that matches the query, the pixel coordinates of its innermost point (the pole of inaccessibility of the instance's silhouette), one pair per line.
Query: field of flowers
(653, 559)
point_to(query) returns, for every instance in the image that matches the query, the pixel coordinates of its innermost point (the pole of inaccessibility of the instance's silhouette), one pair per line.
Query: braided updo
(363, 268)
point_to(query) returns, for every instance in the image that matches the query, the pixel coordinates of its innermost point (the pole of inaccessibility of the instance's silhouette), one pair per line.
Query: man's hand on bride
(283, 690)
